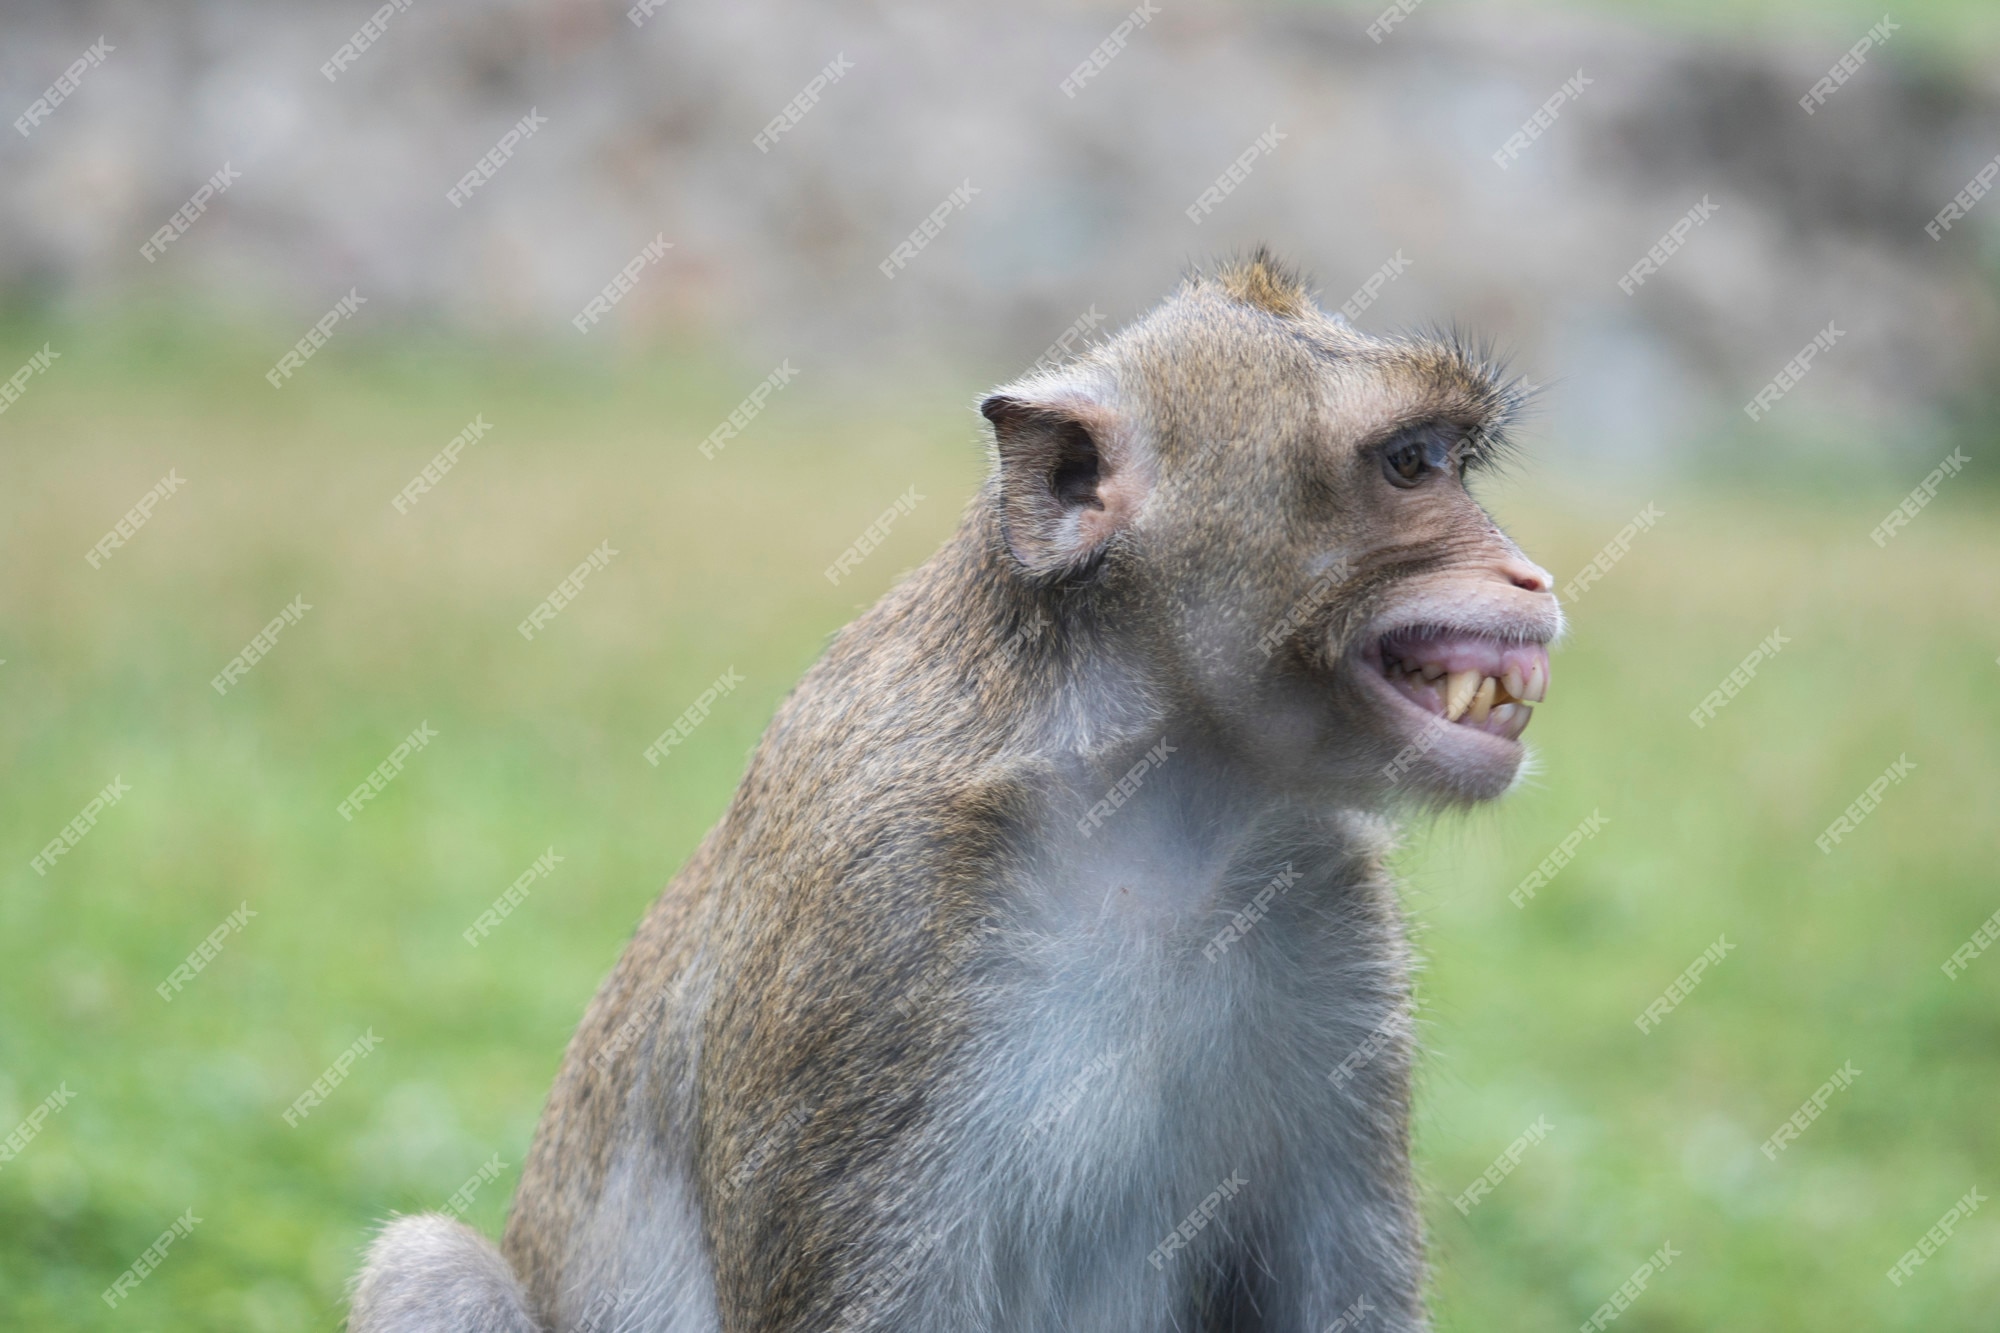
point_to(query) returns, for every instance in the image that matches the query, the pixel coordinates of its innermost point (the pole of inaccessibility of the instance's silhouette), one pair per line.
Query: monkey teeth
(1458, 692)
(1469, 680)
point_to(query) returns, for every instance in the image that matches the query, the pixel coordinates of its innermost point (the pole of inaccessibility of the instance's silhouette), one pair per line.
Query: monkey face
(1273, 508)
(1401, 637)
(1438, 639)
(1431, 648)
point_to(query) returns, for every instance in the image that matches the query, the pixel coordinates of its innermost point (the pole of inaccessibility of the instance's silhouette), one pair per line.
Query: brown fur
(806, 990)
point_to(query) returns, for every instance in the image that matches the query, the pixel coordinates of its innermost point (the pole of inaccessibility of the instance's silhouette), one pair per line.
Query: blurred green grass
(1528, 1012)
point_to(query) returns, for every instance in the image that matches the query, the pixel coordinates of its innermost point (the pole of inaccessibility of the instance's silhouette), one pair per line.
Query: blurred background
(193, 191)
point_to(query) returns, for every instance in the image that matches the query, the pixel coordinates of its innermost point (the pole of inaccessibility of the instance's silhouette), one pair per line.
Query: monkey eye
(1404, 462)
(1407, 459)
(1414, 455)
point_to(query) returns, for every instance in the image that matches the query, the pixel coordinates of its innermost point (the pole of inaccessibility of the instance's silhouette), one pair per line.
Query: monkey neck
(1062, 713)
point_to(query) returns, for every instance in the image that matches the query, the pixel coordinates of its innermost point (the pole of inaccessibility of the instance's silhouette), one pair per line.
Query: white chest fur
(1151, 1094)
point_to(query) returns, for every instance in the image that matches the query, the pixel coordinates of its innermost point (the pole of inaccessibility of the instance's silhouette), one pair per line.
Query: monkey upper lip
(1477, 680)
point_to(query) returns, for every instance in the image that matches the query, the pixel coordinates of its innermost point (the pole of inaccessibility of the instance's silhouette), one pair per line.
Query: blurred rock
(1080, 202)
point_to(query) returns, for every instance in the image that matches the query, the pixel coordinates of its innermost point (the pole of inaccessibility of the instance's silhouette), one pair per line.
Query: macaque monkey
(1044, 973)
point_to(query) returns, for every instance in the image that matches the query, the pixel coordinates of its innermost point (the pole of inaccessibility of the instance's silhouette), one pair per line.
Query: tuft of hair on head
(1265, 282)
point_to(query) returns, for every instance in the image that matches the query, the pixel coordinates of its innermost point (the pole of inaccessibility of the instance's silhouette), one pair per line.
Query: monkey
(1045, 971)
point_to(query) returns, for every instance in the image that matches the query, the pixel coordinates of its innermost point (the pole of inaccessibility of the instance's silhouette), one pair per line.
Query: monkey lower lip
(1472, 680)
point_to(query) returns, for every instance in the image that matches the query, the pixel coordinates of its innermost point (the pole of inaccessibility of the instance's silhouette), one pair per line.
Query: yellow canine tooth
(1482, 702)
(1460, 686)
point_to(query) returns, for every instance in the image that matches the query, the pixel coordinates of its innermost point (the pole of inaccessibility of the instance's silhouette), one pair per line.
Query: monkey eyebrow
(1485, 445)
(1474, 443)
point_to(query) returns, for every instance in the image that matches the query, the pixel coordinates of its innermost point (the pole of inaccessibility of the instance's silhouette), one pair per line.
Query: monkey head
(1269, 509)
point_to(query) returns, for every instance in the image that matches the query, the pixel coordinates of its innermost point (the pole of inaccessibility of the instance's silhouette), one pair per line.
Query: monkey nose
(1525, 574)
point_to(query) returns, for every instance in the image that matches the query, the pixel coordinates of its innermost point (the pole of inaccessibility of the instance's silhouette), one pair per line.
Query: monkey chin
(1454, 701)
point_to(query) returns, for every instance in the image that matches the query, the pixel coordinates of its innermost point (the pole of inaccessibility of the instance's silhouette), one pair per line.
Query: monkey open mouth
(1476, 681)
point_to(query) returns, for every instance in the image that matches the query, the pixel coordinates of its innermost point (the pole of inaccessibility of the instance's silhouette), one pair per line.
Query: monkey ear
(1069, 478)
